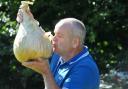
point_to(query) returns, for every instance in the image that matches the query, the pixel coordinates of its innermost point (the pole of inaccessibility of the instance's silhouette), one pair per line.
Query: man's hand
(39, 65)
(19, 16)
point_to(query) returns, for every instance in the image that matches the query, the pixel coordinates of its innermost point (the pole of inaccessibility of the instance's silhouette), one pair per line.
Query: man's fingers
(32, 65)
(19, 16)
(28, 64)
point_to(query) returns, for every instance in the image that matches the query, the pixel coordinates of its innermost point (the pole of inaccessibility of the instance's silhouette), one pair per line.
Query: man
(71, 66)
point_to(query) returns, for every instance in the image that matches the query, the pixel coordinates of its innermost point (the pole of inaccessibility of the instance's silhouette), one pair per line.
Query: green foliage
(106, 22)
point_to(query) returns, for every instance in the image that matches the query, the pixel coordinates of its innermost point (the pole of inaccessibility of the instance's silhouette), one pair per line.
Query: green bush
(107, 28)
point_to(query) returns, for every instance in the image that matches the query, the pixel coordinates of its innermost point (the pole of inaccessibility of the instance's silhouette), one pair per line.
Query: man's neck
(71, 54)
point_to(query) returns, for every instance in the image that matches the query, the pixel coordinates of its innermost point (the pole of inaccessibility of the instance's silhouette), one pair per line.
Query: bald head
(75, 26)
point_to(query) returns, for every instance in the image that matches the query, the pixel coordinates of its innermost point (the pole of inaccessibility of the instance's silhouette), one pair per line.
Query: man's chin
(53, 49)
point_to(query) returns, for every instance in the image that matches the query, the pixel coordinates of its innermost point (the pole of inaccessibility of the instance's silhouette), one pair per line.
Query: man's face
(62, 41)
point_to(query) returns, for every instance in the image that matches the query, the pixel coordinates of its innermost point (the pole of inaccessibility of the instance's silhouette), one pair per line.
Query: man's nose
(54, 39)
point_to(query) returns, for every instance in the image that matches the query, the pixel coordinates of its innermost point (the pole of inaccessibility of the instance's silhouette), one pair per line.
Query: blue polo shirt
(80, 72)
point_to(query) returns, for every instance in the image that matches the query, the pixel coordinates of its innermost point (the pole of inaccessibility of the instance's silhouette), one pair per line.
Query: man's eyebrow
(59, 34)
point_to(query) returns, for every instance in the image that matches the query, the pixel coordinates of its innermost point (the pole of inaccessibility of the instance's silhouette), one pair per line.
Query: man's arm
(49, 81)
(42, 66)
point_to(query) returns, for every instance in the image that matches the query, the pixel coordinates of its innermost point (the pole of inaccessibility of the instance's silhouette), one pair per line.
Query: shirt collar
(76, 58)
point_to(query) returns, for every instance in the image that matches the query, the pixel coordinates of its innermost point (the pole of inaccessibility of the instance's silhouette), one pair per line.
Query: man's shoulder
(85, 61)
(88, 61)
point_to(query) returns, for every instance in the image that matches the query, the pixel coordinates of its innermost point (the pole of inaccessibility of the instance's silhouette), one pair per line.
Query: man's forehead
(64, 27)
(62, 30)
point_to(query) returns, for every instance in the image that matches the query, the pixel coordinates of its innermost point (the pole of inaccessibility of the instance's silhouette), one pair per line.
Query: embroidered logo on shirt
(64, 88)
(68, 80)
(63, 72)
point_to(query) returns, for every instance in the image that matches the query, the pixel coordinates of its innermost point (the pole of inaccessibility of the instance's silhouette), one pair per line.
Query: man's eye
(59, 36)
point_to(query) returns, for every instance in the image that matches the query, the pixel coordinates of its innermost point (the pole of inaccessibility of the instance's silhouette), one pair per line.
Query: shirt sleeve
(53, 62)
(82, 77)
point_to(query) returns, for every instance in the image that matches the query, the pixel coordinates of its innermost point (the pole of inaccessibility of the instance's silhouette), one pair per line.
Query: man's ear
(76, 42)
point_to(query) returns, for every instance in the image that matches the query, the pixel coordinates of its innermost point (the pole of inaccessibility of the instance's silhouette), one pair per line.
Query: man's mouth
(53, 45)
